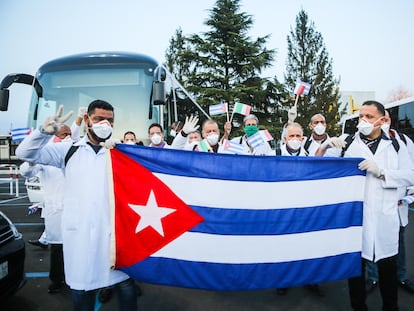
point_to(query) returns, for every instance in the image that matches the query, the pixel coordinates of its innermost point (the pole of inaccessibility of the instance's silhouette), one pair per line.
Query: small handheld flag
(242, 109)
(232, 147)
(218, 109)
(256, 140)
(18, 134)
(266, 135)
(302, 88)
(204, 145)
(33, 209)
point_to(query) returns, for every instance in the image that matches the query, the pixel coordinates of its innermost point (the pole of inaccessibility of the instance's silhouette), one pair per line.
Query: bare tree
(397, 94)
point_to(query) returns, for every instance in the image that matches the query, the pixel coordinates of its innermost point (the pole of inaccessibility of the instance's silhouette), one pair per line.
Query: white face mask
(319, 129)
(212, 139)
(129, 142)
(102, 129)
(156, 139)
(385, 127)
(365, 128)
(294, 144)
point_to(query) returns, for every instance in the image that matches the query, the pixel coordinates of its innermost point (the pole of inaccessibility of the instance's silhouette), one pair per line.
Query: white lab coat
(314, 144)
(381, 223)
(86, 221)
(52, 180)
(263, 149)
(403, 206)
(285, 152)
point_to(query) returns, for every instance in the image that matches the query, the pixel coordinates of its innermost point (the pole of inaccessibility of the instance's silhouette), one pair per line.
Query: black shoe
(407, 285)
(370, 285)
(37, 243)
(281, 291)
(315, 289)
(105, 294)
(55, 287)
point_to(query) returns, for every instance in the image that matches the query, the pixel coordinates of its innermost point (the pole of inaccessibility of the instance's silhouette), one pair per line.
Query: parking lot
(34, 295)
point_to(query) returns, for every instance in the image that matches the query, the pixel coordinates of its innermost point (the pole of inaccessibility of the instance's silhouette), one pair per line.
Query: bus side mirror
(159, 93)
(158, 87)
(4, 99)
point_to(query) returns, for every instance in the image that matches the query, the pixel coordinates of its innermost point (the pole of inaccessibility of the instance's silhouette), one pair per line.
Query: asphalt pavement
(34, 295)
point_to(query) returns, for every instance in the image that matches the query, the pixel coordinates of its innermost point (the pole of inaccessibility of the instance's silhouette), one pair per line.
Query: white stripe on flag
(221, 192)
(263, 248)
(19, 133)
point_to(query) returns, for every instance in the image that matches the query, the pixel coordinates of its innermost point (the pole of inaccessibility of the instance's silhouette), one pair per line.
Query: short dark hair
(380, 107)
(130, 132)
(99, 103)
(155, 125)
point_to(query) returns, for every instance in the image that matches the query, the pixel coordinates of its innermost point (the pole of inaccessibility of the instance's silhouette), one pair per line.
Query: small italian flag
(204, 145)
(242, 109)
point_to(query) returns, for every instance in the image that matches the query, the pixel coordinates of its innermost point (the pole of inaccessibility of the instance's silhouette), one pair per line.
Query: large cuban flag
(235, 222)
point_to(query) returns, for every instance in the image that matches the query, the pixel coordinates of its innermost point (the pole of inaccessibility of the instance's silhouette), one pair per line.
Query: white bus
(141, 91)
(401, 113)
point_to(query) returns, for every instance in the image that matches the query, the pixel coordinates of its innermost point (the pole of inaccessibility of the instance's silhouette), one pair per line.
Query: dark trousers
(127, 297)
(387, 272)
(57, 272)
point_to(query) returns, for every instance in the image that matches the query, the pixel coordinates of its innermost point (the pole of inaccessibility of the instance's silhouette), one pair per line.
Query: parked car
(12, 255)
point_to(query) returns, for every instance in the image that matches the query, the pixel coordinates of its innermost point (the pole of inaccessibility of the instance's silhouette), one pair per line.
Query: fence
(9, 173)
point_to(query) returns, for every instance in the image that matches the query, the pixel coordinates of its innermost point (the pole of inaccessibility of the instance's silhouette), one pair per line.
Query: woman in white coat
(388, 168)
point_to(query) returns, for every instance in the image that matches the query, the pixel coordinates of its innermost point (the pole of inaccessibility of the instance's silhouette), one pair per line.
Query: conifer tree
(225, 64)
(308, 61)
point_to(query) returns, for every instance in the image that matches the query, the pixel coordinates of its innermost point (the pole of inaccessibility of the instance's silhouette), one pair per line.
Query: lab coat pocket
(390, 202)
(70, 217)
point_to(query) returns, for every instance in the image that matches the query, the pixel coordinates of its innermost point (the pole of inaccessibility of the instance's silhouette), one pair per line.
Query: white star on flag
(151, 214)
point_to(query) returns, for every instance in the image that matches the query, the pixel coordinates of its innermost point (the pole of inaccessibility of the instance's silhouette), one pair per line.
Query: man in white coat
(251, 127)
(318, 135)
(372, 271)
(388, 168)
(86, 224)
(293, 141)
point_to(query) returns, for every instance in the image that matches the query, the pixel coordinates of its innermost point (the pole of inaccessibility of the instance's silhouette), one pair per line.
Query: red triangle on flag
(135, 186)
(226, 144)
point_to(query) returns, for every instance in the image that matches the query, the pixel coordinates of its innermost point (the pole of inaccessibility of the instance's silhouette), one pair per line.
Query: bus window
(402, 118)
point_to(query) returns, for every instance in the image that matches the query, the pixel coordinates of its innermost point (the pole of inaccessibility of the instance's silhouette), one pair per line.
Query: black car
(12, 255)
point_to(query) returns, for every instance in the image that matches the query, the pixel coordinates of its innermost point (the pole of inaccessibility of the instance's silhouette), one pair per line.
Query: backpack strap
(402, 137)
(395, 144)
(307, 144)
(70, 153)
(349, 139)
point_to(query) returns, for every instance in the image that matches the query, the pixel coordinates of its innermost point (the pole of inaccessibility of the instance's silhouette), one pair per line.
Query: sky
(370, 42)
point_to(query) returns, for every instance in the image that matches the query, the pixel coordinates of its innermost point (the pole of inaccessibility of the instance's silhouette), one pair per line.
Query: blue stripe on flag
(226, 276)
(279, 221)
(18, 134)
(216, 166)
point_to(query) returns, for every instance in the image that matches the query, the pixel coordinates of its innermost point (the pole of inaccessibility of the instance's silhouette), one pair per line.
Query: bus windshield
(127, 89)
